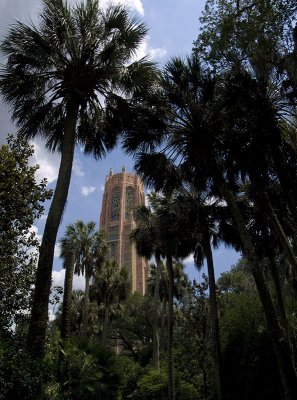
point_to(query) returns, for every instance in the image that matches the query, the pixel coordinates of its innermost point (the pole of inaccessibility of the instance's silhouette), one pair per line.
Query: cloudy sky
(173, 26)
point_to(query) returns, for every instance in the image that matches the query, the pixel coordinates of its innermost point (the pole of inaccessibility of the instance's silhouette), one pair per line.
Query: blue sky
(173, 26)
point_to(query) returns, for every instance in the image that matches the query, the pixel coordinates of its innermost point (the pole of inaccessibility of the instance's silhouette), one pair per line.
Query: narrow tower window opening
(115, 204)
(130, 201)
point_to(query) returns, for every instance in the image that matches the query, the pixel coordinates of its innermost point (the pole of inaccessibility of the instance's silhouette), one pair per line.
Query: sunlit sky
(173, 26)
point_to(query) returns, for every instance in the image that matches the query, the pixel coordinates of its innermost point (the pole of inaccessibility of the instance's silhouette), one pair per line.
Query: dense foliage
(216, 141)
(21, 203)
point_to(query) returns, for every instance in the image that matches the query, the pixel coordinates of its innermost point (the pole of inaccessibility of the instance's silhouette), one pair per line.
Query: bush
(87, 373)
(129, 372)
(153, 386)
(187, 391)
(20, 375)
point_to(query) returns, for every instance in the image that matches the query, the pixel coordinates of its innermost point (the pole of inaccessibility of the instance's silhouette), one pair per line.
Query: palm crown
(80, 52)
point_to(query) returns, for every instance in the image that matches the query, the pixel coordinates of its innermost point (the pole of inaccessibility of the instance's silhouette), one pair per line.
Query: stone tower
(123, 191)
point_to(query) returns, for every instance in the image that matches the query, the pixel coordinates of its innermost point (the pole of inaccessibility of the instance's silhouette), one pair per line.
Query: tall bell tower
(123, 191)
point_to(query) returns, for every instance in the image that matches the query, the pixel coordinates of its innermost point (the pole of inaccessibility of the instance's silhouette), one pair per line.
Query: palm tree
(83, 250)
(111, 285)
(68, 247)
(92, 250)
(77, 304)
(174, 246)
(61, 78)
(145, 238)
(151, 237)
(202, 219)
(180, 285)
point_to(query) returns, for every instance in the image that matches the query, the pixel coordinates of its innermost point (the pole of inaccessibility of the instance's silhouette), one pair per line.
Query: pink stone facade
(123, 191)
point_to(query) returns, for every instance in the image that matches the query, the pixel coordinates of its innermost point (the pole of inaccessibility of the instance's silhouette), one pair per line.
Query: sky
(173, 26)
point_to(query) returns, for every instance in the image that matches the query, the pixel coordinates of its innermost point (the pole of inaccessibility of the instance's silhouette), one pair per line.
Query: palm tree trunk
(279, 295)
(105, 324)
(39, 315)
(278, 229)
(214, 320)
(171, 385)
(163, 338)
(156, 345)
(65, 326)
(279, 337)
(85, 314)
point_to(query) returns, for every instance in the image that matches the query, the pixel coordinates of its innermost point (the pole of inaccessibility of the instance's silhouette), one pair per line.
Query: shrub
(153, 386)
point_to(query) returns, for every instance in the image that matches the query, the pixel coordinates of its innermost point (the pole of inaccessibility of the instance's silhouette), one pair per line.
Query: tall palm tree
(111, 285)
(150, 237)
(60, 79)
(68, 246)
(91, 253)
(83, 250)
(173, 246)
(179, 288)
(200, 217)
(147, 245)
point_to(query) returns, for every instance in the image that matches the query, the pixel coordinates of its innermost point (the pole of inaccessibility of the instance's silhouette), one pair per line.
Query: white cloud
(34, 229)
(48, 163)
(158, 52)
(133, 4)
(188, 260)
(86, 190)
(144, 49)
(146, 197)
(51, 313)
(78, 167)
(43, 217)
(101, 188)
(57, 250)
(59, 276)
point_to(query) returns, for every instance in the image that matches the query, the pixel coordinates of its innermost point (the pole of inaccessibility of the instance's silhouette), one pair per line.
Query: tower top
(123, 168)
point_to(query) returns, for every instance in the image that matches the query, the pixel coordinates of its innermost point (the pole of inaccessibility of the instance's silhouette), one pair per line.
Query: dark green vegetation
(215, 137)
(21, 198)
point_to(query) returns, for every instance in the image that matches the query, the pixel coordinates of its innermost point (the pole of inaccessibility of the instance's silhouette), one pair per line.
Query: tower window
(113, 249)
(113, 233)
(115, 204)
(130, 201)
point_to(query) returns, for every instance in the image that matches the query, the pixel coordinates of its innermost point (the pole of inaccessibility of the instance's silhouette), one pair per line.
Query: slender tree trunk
(85, 314)
(105, 323)
(280, 234)
(39, 315)
(281, 304)
(279, 294)
(279, 336)
(285, 177)
(163, 338)
(171, 384)
(65, 325)
(214, 320)
(156, 345)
